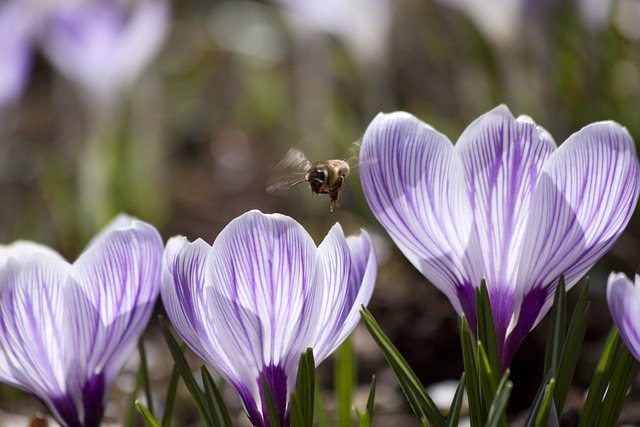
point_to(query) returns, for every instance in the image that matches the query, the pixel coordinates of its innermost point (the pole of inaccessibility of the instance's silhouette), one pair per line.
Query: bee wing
(294, 160)
(285, 182)
(353, 158)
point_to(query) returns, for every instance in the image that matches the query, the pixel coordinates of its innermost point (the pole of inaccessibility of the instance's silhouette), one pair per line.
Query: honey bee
(323, 176)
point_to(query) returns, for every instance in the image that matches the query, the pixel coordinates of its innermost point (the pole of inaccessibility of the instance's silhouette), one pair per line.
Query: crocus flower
(262, 294)
(103, 45)
(623, 297)
(66, 330)
(16, 49)
(503, 204)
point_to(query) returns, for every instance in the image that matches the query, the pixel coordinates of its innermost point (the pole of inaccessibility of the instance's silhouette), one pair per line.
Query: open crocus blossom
(504, 205)
(262, 294)
(623, 297)
(66, 330)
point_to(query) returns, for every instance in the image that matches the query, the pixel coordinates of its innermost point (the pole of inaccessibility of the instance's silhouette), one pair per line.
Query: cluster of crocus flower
(504, 205)
(250, 305)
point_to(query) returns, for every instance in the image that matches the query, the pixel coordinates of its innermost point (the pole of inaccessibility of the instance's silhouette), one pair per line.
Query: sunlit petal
(349, 277)
(585, 197)
(264, 290)
(415, 187)
(33, 338)
(118, 280)
(502, 159)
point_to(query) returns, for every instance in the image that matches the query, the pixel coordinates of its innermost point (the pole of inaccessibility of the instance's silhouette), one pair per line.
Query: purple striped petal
(584, 200)
(416, 189)
(184, 296)
(118, 280)
(33, 339)
(502, 159)
(264, 290)
(349, 267)
(623, 297)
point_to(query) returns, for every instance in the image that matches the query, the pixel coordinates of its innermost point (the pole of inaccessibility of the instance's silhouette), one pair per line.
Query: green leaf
(537, 401)
(542, 416)
(477, 408)
(196, 394)
(371, 399)
(365, 420)
(172, 391)
(600, 380)
(618, 387)
(497, 411)
(421, 404)
(488, 382)
(302, 401)
(321, 418)
(214, 400)
(148, 418)
(557, 326)
(486, 330)
(454, 411)
(274, 421)
(571, 349)
(344, 378)
(142, 378)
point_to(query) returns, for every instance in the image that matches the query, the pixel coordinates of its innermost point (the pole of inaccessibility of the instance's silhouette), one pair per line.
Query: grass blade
(571, 349)
(344, 379)
(274, 421)
(477, 409)
(618, 387)
(196, 394)
(601, 378)
(172, 391)
(456, 405)
(421, 404)
(498, 407)
(486, 330)
(148, 418)
(214, 400)
(557, 330)
(542, 416)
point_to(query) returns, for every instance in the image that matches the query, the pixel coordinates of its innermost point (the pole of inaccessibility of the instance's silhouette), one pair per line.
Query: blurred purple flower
(66, 330)
(104, 46)
(623, 297)
(253, 302)
(503, 204)
(17, 31)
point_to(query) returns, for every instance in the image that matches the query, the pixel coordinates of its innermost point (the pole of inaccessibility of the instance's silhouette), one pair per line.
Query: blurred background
(177, 112)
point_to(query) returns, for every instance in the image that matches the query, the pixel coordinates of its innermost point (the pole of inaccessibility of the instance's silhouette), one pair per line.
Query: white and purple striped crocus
(66, 329)
(504, 204)
(262, 294)
(623, 297)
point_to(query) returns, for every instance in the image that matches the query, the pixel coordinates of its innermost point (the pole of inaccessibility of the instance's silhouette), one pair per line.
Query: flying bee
(323, 176)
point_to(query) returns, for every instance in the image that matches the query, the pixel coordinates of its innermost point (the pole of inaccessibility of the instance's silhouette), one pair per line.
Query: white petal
(503, 158)
(118, 280)
(584, 200)
(349, 277)
(265, 293)
(416, 189)
(32, 326)
(184, 297)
